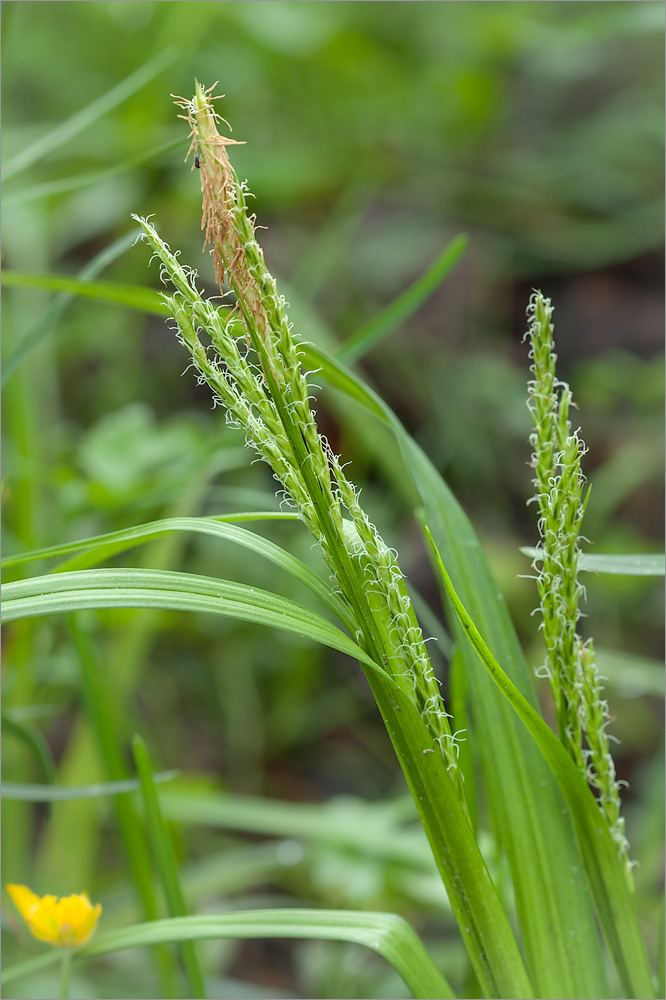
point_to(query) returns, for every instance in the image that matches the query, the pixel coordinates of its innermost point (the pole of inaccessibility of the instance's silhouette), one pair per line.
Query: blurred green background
(375, 133)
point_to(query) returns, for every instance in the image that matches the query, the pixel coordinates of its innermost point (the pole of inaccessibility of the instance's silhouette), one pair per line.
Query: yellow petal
(23, 899)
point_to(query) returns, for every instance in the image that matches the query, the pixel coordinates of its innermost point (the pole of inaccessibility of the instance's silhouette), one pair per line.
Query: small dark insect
(197, 162)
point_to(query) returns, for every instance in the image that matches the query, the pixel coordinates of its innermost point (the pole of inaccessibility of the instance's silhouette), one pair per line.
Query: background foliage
(374, 134)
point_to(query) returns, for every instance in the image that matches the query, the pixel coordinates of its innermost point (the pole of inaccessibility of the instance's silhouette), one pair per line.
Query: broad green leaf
(614, 897)
(66, 130)
(564, 952)
(386, 933)
(635, 564)
(405, 305)
(60, 793)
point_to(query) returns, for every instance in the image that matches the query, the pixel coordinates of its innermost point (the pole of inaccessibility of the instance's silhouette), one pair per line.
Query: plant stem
(65, 973)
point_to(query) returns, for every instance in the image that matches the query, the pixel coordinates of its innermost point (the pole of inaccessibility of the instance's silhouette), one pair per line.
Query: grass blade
(55, 793)
(102, 547)
(103, 707)
(165, 858)
(153, 528)
(405, 305)
(387, 934)
(366, 828)
(32, 737)
(61, 186)
(66, 131)
(136, 297)
(482, 921)
(137, 588)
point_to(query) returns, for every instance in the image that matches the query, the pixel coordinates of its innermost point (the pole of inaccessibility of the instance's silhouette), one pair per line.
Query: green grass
(140, 601)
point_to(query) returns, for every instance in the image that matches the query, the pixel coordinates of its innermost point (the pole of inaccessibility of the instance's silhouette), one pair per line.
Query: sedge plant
(566, 851)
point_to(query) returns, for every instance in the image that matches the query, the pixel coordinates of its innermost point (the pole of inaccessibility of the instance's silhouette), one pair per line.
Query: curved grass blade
(614, 898)
(59, 793)
(167, 865)
(563, 949)
(66, 130)
(104, 546)
(405, 305)
(142, 588)
(154, 528)
(386, 933)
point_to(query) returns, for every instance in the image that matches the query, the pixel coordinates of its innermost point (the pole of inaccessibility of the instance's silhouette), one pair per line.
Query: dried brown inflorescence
(229, 229)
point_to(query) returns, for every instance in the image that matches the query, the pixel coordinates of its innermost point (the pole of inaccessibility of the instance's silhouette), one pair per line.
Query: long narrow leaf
(488, 937)
(79, 121)
(387, 934)
(405, 305)
(357, 826)
(136, 297)
(32, 737)
(141, 588)
(64, 184)
(102, 707)
(102, 547)
(167, 865)
(67, 793)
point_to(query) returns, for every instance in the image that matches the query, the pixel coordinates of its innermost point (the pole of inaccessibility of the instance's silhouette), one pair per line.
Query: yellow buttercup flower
(68, 922)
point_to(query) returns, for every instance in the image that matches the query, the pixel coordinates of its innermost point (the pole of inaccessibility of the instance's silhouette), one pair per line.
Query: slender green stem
(66, 969)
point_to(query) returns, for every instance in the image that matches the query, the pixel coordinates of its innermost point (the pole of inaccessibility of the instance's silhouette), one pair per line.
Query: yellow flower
(65, 923)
